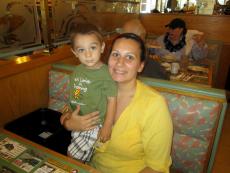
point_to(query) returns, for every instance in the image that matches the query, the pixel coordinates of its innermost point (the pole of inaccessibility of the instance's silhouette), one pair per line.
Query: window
(145, 6)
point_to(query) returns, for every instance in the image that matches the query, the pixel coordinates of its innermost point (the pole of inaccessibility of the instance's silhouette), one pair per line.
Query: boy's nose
(88, 53)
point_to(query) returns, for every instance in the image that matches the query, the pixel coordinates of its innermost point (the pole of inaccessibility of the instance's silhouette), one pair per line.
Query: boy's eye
(80, 50)
(93, 48)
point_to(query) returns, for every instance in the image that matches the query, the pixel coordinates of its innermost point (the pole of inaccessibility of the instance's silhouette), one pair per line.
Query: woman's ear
(141, 67)
(102, 47)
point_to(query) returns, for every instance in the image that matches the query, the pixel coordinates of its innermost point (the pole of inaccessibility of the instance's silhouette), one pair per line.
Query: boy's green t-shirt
(90, 89)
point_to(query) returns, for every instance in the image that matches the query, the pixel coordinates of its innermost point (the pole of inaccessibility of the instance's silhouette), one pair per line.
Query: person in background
(134, 26)
(142, 133)
(152, 68)
(91, 89)
(178, 42)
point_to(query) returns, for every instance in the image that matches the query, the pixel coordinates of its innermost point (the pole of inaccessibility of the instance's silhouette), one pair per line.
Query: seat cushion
(59, 85)
(194, 121)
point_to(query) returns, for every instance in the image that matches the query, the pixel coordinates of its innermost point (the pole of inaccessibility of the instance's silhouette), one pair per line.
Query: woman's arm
(200, 48)
(106, 129)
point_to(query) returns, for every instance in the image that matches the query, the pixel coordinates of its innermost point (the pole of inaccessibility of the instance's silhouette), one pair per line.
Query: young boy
(91, 87)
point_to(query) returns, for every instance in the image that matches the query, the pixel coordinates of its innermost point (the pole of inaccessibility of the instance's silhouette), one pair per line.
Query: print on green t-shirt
(90, 89)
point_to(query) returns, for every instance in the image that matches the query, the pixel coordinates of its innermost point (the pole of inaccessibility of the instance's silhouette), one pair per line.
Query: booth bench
(197, 113)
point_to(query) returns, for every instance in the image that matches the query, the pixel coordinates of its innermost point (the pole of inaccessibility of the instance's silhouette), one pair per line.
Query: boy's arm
(109, 119)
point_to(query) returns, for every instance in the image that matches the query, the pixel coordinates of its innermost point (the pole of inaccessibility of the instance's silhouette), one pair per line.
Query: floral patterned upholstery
(58, 89)
(194, 122)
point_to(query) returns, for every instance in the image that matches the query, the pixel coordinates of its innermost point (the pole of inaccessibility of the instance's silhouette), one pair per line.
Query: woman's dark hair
(137, 39)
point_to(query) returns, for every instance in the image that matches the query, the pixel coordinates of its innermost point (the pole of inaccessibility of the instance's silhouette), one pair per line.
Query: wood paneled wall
(24, 87)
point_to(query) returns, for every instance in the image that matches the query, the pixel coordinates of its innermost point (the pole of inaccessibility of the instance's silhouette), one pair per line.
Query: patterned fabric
(81, 147)
(59, 85)
(56, 104)
(194, 121)
(173, 48)
(58, 89)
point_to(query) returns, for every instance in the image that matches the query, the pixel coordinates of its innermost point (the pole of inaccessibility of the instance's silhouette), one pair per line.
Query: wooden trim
(36, 60)
(221, 100)
(189, 89)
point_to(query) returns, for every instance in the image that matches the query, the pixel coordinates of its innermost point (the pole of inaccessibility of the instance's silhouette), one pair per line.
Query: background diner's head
(176, 29)
(134, 26)
(87, 43)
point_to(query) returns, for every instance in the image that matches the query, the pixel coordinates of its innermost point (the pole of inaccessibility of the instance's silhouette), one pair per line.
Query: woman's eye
(115, 54)
(129, 57)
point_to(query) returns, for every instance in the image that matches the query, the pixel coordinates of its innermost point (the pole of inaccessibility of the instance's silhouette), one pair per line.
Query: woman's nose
(120, 61)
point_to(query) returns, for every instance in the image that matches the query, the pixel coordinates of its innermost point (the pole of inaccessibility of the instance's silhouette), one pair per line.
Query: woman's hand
(73, 121)
(199, 39)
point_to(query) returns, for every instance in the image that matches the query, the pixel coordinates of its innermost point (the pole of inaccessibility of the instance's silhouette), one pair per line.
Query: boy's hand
(105, 134)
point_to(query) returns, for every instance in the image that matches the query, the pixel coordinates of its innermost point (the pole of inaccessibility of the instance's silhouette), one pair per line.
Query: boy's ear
(102, 47)
(74, 52)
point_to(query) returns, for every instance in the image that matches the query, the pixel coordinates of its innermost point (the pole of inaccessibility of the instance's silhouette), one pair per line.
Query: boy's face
(88, 48)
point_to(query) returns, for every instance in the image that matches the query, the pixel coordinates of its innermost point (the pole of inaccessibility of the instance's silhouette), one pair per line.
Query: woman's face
(125, 61)
(174, 34)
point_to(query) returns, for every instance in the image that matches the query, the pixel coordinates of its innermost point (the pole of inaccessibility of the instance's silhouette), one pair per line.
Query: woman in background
(178, 42)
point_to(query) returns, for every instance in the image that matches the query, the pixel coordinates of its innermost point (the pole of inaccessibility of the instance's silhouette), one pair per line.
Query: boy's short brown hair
(84, 28)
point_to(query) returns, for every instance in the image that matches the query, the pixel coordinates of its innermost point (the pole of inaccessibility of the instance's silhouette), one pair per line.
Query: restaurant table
(198, 72)
(19, 155)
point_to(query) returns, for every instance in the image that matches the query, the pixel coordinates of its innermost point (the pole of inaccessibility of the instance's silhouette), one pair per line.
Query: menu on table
(19, 157)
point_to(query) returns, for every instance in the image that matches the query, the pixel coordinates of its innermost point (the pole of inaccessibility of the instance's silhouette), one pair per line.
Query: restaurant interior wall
(214, 26)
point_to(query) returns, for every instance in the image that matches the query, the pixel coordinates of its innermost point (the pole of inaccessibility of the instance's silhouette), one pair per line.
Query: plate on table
(198, 69)
(153, 46)
(169, 58)
(166, 65)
